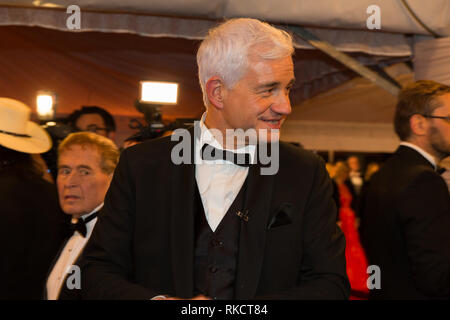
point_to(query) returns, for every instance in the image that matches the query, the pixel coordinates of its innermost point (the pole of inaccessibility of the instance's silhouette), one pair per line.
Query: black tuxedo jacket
(31, 230)
(405, 229)
(143, 243)
(65, 293)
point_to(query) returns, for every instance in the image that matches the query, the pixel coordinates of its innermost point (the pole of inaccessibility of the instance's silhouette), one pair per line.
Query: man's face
(439, 130)
(353, 163)
(92, 122)
(81, 183)
(260, 100)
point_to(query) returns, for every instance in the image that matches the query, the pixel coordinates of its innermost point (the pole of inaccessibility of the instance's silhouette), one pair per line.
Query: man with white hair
(218, 228)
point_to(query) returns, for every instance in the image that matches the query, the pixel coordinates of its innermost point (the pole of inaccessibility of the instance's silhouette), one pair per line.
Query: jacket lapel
(182, 227)
(253, 232)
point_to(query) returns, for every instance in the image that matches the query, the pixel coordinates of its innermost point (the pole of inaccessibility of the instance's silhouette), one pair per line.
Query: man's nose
(282, 105)
(71, 180)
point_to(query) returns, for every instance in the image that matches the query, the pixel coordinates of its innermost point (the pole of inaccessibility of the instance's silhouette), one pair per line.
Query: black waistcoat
(216, 253)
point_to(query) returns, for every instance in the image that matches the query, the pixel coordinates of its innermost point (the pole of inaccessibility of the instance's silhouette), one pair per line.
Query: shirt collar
(95, 210)
(90, 224)
(425, 154)
(206, 136)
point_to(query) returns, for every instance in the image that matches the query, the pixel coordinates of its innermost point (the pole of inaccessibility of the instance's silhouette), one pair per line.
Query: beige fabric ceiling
(342, 14)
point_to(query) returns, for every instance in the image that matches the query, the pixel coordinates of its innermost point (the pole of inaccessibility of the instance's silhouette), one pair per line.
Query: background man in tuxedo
(355, 176)
(86, 162)
(216, 229)
(355, 181)
(406, 208)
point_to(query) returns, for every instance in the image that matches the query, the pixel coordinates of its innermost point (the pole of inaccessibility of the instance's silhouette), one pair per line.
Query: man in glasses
(406, 227)
(93, 119)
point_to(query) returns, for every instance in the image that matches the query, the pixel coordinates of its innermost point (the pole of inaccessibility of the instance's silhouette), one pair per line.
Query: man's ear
(215, 90)
(418, 124)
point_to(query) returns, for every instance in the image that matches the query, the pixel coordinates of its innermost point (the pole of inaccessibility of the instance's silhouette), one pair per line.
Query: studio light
(155, 92)
(155, 95)
(46, 105)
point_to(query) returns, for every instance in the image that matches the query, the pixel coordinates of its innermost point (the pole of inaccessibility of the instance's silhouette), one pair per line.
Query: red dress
(354, 253)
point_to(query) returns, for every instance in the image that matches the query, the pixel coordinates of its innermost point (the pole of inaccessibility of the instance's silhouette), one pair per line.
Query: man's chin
(71, 211)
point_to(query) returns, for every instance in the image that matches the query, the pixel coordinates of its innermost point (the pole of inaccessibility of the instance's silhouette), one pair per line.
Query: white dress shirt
(219, 181)
(356, 180)
(68, 256)
(425, 154)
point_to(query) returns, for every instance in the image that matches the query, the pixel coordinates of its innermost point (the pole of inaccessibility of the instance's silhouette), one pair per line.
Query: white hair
(224, 52)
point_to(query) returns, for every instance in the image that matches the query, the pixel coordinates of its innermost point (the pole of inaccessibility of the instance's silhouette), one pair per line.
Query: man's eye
(268, 92)
(84, 172)
(63, 171)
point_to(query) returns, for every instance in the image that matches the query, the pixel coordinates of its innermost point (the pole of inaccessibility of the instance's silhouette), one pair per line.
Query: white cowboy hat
(17, 132)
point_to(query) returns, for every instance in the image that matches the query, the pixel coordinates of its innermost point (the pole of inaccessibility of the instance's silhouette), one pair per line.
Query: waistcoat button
(213, 269)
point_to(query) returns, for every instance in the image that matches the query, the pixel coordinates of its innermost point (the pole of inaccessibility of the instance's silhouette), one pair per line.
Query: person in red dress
(354, 252)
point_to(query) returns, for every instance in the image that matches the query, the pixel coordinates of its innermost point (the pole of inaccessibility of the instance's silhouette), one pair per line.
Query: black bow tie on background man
(209, 152)
(80, 224)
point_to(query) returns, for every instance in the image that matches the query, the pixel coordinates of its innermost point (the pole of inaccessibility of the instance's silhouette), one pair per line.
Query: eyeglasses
(94, 128)
(435, 117)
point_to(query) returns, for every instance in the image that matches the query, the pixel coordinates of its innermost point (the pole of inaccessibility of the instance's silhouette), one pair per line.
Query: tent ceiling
(357, 100)
(349, 14)
(374, 43)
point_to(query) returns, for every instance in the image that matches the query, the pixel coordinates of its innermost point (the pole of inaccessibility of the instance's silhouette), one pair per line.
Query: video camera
(154, 127)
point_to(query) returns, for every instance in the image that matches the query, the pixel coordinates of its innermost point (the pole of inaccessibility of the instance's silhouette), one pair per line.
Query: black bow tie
(440, 170)
(80, 224)
(209, 152)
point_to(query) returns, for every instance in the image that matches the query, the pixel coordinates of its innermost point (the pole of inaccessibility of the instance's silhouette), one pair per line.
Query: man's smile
(273, 123)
